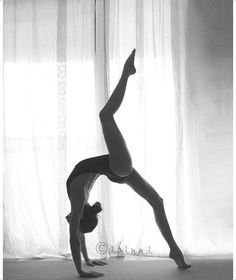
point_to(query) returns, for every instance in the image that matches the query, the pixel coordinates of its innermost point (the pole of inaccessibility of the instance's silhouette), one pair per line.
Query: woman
(117, 166)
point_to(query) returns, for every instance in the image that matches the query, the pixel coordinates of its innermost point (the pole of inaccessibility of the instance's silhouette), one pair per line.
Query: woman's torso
(95, 166)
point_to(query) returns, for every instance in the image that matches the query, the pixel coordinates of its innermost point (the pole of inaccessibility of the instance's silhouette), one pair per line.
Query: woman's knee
(105, 115)
(102, 115)
(122, 170)
(156, 201)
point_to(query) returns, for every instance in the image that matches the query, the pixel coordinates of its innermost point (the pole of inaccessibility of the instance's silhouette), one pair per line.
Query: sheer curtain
(62, 59)
(202, 58)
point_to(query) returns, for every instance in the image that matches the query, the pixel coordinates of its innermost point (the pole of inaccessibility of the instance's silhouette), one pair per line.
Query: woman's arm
(83, 247)
(85, 254)
(81, 238)
(77, 204)
(75, 249)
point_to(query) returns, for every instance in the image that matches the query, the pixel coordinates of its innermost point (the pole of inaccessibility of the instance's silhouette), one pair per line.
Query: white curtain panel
(203, 61)
(62, 59)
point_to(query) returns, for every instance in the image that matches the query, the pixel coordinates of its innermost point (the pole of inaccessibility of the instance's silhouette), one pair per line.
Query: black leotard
(98, 165)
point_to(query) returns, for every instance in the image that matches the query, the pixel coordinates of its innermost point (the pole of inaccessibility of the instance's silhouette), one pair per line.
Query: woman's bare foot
(178, 257)
(129, 68)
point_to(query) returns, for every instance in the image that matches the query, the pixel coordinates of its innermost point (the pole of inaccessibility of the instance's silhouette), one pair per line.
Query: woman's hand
(90, 274)
(95, 262)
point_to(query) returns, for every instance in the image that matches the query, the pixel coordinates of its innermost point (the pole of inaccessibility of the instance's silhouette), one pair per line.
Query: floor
(136, 268)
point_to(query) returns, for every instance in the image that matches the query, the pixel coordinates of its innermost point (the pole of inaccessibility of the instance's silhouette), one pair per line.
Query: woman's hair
(89, 219)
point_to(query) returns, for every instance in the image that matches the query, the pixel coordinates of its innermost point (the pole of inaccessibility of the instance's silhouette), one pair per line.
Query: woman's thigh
(120, 160)
(142, 187)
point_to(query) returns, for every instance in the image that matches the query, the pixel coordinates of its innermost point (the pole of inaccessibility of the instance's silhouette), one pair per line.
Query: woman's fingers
(95, 262)
(103, 263)
(99, 263)
(91, 274)
(96, 274)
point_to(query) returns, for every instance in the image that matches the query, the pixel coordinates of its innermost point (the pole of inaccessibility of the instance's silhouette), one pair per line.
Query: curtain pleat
(204, 155)
(178, 55)
(62, 154)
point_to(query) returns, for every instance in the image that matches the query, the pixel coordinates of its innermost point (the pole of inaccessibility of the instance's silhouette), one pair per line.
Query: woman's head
(88, 223)
(89, 219)
(96, 208)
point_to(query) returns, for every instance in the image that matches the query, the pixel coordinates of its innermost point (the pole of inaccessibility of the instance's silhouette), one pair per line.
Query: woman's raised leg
(119, 157)
(141, 186)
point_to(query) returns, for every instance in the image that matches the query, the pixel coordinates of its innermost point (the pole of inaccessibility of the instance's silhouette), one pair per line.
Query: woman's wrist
(79, 270)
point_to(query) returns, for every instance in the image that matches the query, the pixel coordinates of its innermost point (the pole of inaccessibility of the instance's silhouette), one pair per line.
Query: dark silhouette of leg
(120, 159)
(142, 187)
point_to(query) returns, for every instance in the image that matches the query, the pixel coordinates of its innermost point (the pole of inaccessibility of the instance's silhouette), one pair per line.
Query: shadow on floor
(118, 269)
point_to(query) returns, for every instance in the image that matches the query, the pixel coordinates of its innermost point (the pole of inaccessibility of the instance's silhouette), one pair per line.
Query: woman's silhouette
(117, 166)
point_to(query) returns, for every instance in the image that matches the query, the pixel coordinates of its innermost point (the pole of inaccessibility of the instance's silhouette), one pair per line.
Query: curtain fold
(62, 113)
(62, 59)
(201, 41)
(178, 37)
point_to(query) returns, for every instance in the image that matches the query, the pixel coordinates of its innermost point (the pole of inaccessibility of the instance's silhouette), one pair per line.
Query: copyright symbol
(101, 247)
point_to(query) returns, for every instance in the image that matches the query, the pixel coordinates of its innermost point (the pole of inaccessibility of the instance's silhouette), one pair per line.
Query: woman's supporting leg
(120, 159)
(141, 186)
